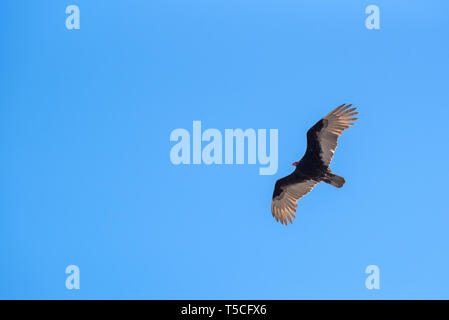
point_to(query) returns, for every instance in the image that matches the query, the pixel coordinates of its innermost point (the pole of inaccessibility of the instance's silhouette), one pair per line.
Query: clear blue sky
(86, 177)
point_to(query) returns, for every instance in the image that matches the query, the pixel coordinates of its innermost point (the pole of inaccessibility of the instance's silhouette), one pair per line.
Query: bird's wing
(322, 137)
(287, 191)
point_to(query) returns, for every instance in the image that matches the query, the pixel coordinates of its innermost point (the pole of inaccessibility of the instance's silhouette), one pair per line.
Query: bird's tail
(334, 179)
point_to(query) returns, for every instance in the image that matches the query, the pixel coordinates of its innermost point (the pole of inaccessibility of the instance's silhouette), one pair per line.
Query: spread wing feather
(287, 191)
(333, 126)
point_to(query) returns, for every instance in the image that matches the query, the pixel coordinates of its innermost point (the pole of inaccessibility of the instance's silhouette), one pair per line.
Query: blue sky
(85, 171)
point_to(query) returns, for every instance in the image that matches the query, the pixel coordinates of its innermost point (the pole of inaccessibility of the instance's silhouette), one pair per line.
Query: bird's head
(294, 164)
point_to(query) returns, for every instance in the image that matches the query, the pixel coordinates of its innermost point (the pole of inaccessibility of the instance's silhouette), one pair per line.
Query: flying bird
(314, 165)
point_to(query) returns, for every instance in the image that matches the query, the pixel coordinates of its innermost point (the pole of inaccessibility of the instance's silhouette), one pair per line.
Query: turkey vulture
(314, 165)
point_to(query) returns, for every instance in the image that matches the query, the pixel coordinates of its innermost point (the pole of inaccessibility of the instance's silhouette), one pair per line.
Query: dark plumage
(314, 165)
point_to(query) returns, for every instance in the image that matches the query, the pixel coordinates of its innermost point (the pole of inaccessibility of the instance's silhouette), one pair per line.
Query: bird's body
(314, 165)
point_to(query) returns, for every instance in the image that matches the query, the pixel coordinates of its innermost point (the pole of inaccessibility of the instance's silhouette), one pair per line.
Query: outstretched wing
(322, 137)
(287, 191)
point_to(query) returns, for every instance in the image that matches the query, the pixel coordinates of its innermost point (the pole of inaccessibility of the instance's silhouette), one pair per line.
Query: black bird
(314, 165)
